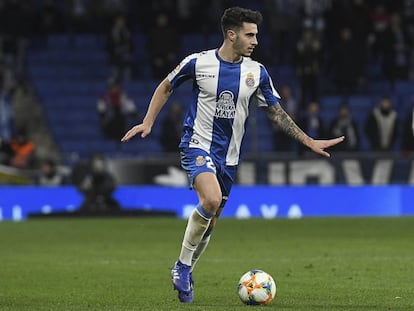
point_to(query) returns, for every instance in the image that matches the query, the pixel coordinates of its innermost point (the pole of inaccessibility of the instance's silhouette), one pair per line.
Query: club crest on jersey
(225, 108)
(200, 161)
(250, 80)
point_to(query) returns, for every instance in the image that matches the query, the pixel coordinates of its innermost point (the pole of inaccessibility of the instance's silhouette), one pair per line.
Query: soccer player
(225, 82)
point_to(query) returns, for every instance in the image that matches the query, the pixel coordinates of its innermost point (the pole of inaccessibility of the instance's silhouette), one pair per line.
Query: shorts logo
(200, 161)
(250, 80)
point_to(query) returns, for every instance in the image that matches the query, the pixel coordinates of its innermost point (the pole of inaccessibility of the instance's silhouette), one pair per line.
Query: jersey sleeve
(183, 72)
(266, 94)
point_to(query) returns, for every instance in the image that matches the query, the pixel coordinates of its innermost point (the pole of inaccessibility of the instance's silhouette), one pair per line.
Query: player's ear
(231, 35)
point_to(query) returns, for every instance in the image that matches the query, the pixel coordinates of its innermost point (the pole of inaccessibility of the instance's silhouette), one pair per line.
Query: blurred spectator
(307, 66)
(49, 174)
(163, 53)
(7, 76)
(97, 185)
(171, 129)
(281, 21)
(407, 143)
(348, 63)
(334, 20)
(171, 8)
(6, 153)
(205, 13)
(311, 122)
(396, 50)
(359, 20)
(380, 21)
(281, 141)
(79, 16)
(197, 13)
(344, 125)
(23, 151)
(114, 107)
(49, 19)
(312, 14)
(381, 126)
(6, 114)
(407, 13)
(288, 102)
(15, 33)
(111, 6)
(120, 48)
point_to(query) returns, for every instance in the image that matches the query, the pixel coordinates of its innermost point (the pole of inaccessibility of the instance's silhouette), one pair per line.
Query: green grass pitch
(124, 264)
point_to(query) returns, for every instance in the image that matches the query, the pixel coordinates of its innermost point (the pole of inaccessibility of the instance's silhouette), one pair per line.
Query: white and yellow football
(256, 287)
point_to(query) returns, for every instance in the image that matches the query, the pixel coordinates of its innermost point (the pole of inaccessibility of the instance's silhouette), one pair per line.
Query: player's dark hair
(233, 18)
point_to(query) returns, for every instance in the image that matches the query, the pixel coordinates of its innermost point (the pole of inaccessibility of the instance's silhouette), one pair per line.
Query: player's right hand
(140, 128)
(319, 145)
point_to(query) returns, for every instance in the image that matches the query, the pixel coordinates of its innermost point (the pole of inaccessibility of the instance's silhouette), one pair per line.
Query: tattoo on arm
(278, 116)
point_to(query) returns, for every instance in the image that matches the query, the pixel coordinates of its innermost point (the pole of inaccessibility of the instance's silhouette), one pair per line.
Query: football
(256, 287)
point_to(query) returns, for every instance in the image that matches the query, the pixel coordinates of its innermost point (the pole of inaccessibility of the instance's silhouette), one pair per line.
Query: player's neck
(228, 54)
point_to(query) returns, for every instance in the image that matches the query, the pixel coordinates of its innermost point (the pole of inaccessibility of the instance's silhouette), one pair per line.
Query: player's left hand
(319, 145)
(140, 128)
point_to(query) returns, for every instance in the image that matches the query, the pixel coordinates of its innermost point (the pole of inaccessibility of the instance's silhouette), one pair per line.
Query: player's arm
(277, 115)
(158, 100)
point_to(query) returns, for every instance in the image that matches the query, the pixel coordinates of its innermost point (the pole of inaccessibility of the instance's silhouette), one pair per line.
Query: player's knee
(211, 204)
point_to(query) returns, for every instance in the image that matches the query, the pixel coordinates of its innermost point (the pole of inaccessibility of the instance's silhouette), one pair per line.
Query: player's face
(246, 39)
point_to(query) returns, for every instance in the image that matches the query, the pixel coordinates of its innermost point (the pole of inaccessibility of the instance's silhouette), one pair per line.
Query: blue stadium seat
(151, 84)
(362, 102)
(147, 146)
(379, 88)
(327, 116)
(265, 143)
(282, 73)
(406, 104)
(192, 43)
(134, 88)
(214, 40)
(142, 101)
(374, 71)
(58, 41)
(360, 107)
(140, 46)
(66, 56)
(89, 42)
(84, 132)
(404, 88)
(330, 104)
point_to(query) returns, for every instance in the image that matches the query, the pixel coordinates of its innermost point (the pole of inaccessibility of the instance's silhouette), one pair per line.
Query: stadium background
(55, 65)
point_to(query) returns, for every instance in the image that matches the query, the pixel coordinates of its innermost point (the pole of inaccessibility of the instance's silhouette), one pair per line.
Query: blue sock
(204, 213)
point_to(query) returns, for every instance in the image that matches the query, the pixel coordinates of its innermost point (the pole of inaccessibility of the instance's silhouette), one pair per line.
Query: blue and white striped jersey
(219, 107)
